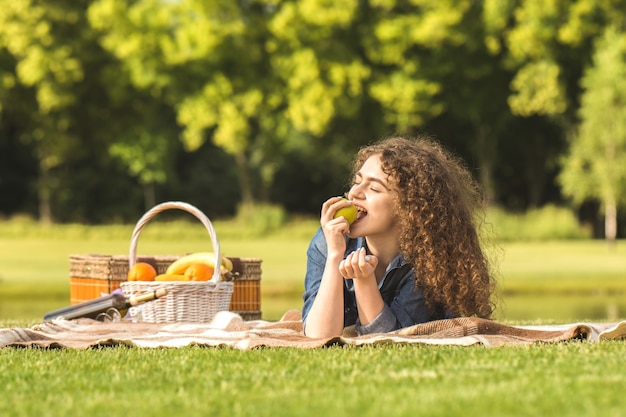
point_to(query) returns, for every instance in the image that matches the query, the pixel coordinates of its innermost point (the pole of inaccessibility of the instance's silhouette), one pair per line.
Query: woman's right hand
(335, 229)
(326, 315)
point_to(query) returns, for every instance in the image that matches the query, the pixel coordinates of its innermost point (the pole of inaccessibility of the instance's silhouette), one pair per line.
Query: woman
(413, 255)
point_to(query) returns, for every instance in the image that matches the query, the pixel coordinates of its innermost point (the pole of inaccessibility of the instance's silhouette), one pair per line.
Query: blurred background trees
(109, 106)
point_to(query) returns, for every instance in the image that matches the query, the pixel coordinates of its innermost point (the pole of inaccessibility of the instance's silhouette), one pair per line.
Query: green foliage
(122, 88)
(547, 223)
(538, 90)
(73, 105)
(539, 49)
(314, 54)
(594, 168)
(537, 87)
(37, 36)
(261, 219)
(197, 57)
(144, 156)
(28, 33)
(404, 39)
(495, 16)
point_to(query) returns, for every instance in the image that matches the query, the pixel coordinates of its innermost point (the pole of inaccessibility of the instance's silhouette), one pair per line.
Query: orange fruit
(142, 271)
(199, 272)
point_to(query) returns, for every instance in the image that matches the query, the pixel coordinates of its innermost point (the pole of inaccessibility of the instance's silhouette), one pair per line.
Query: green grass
(541, 282)
(564, 266)
(569, 379)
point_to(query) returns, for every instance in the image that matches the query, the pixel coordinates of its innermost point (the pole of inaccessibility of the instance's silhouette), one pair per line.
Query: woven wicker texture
(196, 302)
(91, 276)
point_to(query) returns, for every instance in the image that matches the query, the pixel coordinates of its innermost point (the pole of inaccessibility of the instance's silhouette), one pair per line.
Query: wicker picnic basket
(94, 275)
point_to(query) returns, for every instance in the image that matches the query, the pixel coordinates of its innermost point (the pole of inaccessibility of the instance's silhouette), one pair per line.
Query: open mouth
(361, 213)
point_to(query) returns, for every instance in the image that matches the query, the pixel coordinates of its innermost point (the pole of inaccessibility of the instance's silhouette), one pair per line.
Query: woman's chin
(355, 230)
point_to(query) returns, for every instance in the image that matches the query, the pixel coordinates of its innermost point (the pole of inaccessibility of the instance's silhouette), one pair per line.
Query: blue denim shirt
(404, 304)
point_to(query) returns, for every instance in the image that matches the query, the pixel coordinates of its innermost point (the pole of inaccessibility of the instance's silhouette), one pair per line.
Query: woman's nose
(354, 192)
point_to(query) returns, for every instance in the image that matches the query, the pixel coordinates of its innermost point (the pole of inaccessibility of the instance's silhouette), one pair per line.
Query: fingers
(357, 265)
(328, 203)
(330, 207)
(335, 229)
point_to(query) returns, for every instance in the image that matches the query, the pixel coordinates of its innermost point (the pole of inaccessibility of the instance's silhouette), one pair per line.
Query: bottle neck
(134, 300)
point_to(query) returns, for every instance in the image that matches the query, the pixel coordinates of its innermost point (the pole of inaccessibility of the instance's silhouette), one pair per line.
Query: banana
(227, 265)
(179, 266)
(171, 277)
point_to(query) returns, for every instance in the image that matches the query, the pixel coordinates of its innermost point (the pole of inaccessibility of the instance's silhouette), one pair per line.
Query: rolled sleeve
(384, 322)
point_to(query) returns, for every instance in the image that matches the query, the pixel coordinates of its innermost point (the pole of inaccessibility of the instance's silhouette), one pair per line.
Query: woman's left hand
(358, 265)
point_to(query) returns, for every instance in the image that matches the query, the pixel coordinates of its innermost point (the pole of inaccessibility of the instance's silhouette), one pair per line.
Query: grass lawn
(569, 379)
(541, 282)
(566, 267)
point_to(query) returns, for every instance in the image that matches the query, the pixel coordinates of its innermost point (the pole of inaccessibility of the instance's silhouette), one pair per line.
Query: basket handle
(150, 214)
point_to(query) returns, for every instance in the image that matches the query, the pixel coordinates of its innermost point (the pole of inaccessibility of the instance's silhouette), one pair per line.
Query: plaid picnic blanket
(230, 330)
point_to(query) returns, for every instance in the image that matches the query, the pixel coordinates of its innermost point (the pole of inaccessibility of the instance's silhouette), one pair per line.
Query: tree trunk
(243, 175)
(44, 194)
(149, 195)
(535, 173)
(610, 221)
(485, 154)
(610, 202)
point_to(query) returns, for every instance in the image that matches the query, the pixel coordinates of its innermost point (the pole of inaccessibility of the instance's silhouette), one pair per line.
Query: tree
(66, 98)
(595, 167)
(546, 46)
(35, 36)
(205, 59)
(123, 85)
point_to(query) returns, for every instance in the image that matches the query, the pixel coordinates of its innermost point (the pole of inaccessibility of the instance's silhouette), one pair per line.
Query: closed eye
(375, 183)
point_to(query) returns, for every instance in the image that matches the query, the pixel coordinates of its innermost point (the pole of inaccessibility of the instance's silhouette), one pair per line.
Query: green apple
(349, 213)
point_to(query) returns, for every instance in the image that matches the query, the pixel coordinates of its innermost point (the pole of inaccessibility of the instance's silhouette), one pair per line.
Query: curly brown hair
(438, 201)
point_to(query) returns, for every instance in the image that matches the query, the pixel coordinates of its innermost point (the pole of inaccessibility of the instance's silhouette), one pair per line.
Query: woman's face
(373, 195)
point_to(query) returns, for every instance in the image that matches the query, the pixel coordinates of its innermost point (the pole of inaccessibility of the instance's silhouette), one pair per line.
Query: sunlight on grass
(550, 379)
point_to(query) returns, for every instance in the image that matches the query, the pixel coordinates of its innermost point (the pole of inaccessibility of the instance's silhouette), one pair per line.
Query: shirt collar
(396, 262)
